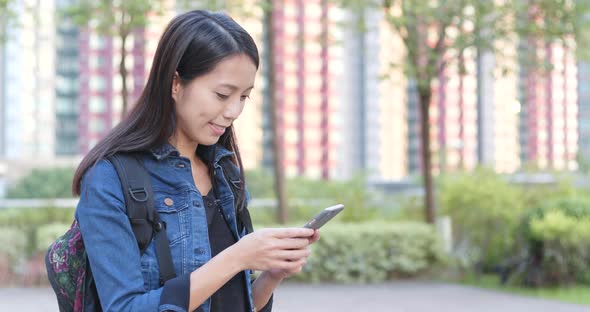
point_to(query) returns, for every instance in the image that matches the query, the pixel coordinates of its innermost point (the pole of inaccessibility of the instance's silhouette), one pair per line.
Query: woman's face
(207, 105)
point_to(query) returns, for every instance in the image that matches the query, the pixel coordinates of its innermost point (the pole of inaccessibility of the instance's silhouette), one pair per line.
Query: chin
(210, 141)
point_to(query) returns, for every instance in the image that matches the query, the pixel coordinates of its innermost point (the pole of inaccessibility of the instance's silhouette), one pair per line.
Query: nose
(233, 109)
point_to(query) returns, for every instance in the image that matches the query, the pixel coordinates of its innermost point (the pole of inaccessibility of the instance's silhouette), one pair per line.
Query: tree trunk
(425, 94)
(276, 135)
(123, 34)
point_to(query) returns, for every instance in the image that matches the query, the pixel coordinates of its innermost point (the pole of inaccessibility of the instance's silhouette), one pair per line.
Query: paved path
(396, 297)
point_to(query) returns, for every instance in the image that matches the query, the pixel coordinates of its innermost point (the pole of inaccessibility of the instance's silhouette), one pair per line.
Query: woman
(202, 74)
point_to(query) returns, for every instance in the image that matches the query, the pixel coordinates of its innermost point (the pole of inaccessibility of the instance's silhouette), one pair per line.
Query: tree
(276, 135)
(44, 183)
(435, 35)
(115, 19)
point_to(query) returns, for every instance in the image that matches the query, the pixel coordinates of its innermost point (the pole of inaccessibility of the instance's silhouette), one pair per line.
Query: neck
(185, 147)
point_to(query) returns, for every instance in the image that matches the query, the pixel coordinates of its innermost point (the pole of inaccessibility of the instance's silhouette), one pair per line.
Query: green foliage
(536, 195)
(557, 241)
(308, 196)
(44, 183)
(113, 18)
(260, 183)
(34, 217)
(48, 233)
(485, 210)
(13, 243)
(372, 252)
(353, 193)
(8, 17)
(410, 208)
(236, 8)
(29, 220)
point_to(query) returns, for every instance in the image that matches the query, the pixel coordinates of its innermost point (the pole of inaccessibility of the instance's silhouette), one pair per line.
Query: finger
(294, 243)
(293, 255)
(292, 266)
(293, 232)
(315, 237)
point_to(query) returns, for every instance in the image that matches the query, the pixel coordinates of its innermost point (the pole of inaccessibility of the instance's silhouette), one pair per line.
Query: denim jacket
(126, 280)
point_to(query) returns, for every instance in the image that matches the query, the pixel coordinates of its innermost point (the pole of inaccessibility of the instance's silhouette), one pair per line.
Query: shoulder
(103, 172)
(101, 183)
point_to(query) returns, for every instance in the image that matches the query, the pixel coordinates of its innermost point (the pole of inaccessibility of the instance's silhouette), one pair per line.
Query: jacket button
(168, 201)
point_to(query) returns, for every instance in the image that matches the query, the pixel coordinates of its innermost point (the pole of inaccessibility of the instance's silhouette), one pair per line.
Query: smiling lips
(217, 129)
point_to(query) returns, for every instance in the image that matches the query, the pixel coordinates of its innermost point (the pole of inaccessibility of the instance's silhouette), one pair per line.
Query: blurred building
(497, 109)
(249, 128)
(100, 98)
(392, 139)
(67, 78)
(584, 112)
(454, 115)
(305, 94)
(472, 116)
(548, 119)
(337, 116)
(357, 119)
(27, 75)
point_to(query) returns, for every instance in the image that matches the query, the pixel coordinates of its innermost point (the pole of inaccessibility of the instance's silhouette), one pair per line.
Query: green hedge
(485, 210)
(47, 234)
(29, 221)
(556, 243)
(13, 244)
(372, 252)
(44, 183)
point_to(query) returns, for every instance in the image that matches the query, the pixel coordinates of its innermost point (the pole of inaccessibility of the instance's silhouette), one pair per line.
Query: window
(66, 85)
(97, 62)
(97, 105)
(97, 42)
(69, 65)
(97, 125)
(97, 83)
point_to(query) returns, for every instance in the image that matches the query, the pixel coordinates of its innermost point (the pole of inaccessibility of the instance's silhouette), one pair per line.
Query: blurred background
(457, 133)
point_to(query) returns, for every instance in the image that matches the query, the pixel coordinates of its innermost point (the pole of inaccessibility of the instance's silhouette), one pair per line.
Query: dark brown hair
(192, 45)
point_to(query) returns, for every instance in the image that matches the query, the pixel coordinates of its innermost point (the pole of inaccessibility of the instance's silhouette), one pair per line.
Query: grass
(573, 294)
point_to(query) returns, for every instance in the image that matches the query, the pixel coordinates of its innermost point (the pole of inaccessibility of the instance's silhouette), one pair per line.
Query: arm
(111, 245)
(268, 281)
(263, 288)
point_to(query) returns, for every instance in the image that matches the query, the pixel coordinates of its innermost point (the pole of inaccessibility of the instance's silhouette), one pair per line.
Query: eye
(244, 97)
(222, 96)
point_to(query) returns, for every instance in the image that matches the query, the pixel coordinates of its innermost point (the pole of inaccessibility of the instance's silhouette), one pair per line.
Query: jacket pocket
(173, 210)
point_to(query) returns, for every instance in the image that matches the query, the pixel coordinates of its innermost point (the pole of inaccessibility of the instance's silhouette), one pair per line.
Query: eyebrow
(231, 86)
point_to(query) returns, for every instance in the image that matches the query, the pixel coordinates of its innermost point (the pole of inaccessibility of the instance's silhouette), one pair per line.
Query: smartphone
(323, 217)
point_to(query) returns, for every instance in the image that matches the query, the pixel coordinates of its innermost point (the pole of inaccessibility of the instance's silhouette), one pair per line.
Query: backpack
(68, 269)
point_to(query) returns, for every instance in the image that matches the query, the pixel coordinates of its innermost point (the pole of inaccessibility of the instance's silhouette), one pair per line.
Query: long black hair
(192, 45)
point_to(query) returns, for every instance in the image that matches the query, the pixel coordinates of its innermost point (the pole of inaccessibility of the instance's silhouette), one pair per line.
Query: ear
(176, 85)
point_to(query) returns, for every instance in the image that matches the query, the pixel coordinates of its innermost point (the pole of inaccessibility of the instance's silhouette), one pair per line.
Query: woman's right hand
(274, 248)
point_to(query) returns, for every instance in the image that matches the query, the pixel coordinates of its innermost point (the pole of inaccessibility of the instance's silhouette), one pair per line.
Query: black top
(232, 296)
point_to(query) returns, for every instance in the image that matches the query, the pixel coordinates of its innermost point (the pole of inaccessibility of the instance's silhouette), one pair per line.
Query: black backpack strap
(145, 222)
(232, 174)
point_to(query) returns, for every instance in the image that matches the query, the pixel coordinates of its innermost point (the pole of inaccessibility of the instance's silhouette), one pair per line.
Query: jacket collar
(210, 153)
